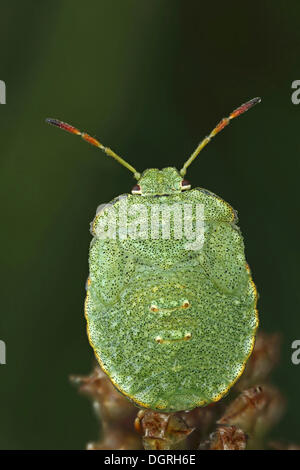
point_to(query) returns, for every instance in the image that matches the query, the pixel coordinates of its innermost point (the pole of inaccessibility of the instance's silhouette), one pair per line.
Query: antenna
(93, 141)
(219, 127)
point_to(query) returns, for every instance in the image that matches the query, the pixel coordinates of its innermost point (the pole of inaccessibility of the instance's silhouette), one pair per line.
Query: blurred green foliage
(150, 79)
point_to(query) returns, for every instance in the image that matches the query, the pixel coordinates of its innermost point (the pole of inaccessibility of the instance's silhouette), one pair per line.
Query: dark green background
(150, 78)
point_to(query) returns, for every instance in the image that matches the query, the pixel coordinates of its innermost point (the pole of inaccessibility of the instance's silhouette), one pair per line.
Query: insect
(171, 318)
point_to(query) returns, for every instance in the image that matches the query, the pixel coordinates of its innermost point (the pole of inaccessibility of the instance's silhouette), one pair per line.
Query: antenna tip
(244, 107)
(63, 125)
(54, 122)
(255, 100)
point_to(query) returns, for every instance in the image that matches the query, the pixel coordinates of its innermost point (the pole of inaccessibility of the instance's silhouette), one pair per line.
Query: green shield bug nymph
(171, 305)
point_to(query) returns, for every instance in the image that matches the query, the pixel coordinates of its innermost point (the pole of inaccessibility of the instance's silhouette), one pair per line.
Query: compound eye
(136, 189)
(185, 184)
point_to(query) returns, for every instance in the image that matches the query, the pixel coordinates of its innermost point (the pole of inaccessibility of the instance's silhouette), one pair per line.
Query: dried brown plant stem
(242, 420)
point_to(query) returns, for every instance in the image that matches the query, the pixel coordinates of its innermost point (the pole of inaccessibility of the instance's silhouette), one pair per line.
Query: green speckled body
(172, 327)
